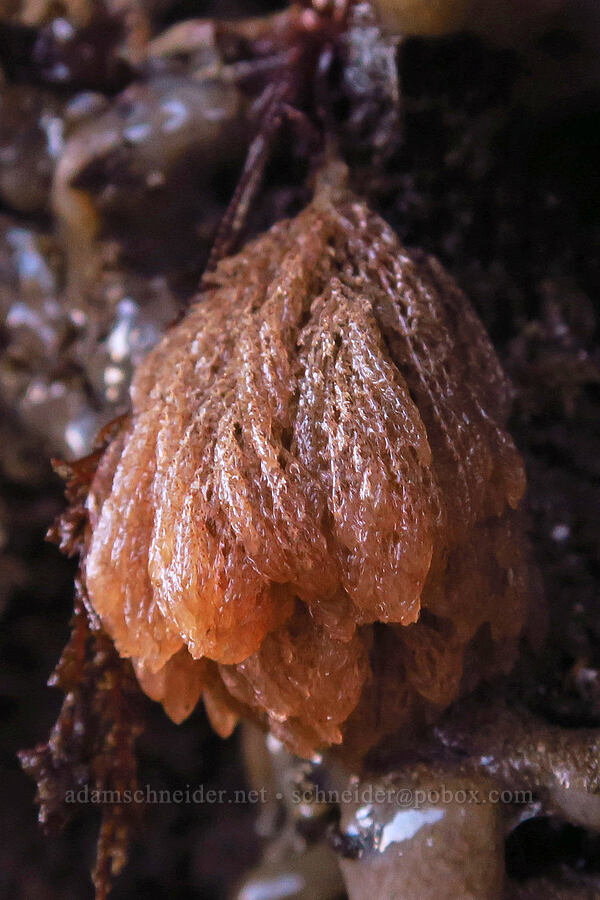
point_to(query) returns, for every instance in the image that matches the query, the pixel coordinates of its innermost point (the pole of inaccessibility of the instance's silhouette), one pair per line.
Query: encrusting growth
(310, 517)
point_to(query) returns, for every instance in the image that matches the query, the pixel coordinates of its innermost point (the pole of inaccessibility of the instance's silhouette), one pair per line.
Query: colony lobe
(310, 516)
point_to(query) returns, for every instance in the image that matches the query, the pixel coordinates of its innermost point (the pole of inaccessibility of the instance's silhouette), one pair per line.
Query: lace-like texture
(309, 518)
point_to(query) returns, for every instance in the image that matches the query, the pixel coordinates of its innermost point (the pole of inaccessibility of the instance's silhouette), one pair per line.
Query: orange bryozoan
(309, 517)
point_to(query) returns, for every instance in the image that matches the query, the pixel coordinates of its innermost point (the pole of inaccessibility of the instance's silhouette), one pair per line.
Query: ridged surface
(318, 446)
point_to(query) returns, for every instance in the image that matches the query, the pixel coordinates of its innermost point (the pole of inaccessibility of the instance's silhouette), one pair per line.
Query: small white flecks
(177, 115)
(78, 317)
(274, 745)
(113, 380)
(273, 888)
(587, 676)
(560, 533)
(60, 72)
(20, 315)
(406, 823)
(113, 375)
(62, 29)
(561, 330)
(85, 104)
(37, 392)
(57, 389)
(118, 342)
(52, 127)
(79, 434)
(31, 265)
(135, 134)
(75, 439)
(127, 308)
(364, 815)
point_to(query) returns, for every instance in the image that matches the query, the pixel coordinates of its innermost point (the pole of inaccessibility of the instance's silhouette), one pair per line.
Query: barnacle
(310, 515)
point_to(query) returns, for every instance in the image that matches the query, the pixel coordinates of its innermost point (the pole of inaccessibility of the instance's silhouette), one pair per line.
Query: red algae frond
(319, 446)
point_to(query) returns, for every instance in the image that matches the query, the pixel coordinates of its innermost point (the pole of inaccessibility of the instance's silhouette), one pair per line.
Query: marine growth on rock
(310, 516)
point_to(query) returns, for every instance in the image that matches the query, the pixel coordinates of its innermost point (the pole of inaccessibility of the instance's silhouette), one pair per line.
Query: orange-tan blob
(311, 510)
